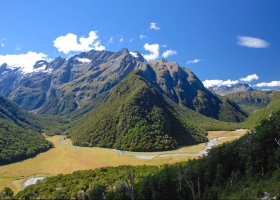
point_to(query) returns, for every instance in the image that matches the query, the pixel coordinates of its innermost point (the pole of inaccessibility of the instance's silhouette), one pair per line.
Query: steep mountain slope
(264, 113)
(18, 138)
(61, 86)
(224, 90)
(184, 88)
(11, 112)
(135, 117)
(251, 101)
(66, 85)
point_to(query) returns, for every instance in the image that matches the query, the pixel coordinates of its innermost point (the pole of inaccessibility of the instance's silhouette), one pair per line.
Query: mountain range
(65, 85)
(224, 89)
(119, 100)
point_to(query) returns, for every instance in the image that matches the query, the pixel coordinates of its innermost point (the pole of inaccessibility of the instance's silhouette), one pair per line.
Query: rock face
(65, 85)
(223, 90)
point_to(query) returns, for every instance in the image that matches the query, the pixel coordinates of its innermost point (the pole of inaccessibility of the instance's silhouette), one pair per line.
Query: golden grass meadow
(65, 158)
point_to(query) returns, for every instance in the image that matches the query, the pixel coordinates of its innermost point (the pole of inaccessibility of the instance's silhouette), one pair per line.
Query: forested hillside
(247, 168)
(19, 138)
(135, 117)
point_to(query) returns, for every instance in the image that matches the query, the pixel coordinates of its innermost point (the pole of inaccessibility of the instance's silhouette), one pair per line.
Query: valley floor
(65, 158)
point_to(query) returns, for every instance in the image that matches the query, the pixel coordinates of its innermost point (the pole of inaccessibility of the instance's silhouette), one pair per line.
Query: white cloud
(154, 51)
(230, 82)
(83, 60)
(26, 61)
(168, 53)
(217, 82)
(250, 78)
(130, 40)
(210, 83)
(270, 84)
(154, 26)
(252, 42)
(164, 45)
(121, 40)
(193, 61)
(98, 47)
(2, 45)
(142, 36)
(70, 43)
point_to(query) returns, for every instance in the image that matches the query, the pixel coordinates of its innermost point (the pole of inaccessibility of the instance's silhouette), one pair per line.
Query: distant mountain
(136, 117)
(264, 113)
(19, 139)
(251, 101)
(66, 85)
(224, 90)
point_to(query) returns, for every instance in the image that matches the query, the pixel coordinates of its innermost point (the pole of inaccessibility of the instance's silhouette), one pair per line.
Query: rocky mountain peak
(223, 90)
(41, 64)
(138, 56)
(4, 65)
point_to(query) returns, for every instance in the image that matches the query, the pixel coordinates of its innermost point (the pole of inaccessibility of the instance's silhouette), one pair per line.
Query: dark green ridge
(135, 117)
(19, 138)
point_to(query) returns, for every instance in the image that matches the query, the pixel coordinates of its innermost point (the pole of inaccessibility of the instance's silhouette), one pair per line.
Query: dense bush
(136, 117)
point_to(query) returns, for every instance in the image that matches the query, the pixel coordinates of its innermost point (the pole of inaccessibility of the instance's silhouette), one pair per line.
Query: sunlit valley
(112, 116)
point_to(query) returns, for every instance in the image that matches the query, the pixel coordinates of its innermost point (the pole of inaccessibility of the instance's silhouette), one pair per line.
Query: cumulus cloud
(25, 61)
(230, 82)
(154, 26)
(130, 40)
(164, 45)
(70, 43)
(250, 78)
(168, 53)
(214, 82)
(2, 45)
(217, 82)
(251, 42)
(193, 61)
(121, 40)
(154, 51)
(142, 36)
(269, 84)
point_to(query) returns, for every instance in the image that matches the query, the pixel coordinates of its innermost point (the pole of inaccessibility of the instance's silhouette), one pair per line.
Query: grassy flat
(65, 158)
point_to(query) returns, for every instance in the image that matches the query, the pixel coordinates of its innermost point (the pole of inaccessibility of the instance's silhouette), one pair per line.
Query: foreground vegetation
(65, 158)
(246, 168)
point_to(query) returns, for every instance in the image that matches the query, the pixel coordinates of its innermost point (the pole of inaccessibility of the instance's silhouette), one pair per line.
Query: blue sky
(222, 42)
